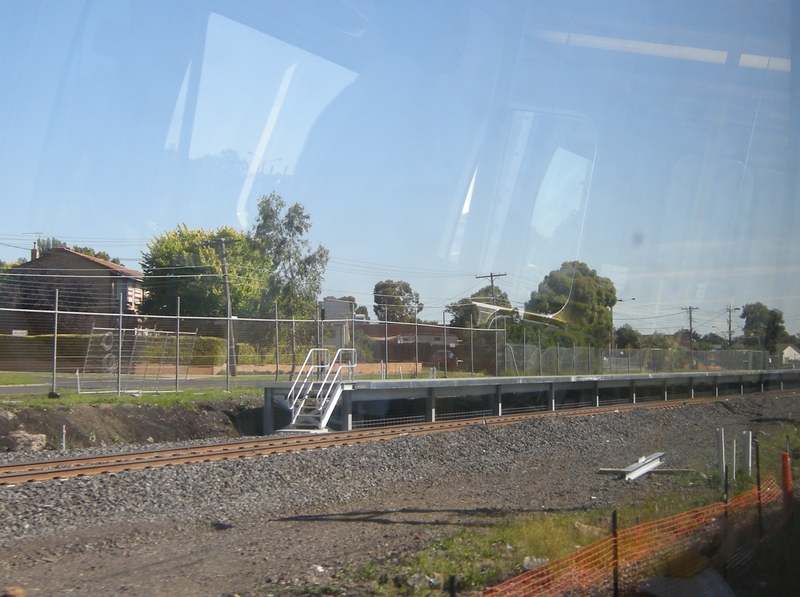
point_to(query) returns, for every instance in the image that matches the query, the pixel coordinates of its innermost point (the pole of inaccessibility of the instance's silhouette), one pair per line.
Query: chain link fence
(131, 352)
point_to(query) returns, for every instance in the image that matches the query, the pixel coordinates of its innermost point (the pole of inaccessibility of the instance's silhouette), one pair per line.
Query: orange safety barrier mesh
(642, 550)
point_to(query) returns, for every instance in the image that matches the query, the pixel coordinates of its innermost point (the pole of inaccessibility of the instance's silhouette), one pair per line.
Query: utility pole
(691, 333)
(491, 277)
(230, 360)
(731, 309)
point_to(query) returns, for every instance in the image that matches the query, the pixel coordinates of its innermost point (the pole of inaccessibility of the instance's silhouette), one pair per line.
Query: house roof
(118, 269)
(782, 347)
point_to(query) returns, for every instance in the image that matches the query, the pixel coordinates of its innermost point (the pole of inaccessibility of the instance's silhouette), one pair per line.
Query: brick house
(85, 284)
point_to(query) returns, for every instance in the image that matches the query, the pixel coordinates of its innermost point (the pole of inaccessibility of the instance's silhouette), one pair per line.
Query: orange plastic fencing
(641, 551)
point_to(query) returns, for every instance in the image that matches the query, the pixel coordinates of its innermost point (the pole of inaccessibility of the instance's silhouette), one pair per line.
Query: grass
(486, 554)
(16, 378)
(71, 398)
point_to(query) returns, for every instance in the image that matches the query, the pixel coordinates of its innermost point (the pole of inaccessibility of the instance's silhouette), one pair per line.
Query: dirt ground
(110, 424)
(320, 549)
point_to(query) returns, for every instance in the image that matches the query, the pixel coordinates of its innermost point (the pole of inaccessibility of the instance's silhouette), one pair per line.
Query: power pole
(731, 309)
(230, 359)
(691, 333)
(491, 277)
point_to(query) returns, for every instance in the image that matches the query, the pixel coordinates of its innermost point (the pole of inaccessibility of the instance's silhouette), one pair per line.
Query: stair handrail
(327, 399)
(310, 368)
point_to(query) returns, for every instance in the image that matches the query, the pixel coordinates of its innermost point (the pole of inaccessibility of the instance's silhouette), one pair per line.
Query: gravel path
(272, 525)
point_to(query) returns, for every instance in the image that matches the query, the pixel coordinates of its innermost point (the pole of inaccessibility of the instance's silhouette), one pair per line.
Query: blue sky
(429, 142)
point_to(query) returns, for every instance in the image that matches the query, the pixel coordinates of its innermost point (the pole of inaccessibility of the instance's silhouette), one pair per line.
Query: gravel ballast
(262, 525)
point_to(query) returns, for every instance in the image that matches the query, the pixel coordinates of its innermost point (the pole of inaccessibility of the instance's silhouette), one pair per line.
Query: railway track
(62, 468)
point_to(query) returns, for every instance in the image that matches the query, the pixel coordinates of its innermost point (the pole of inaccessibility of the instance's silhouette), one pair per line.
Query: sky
(429, 142)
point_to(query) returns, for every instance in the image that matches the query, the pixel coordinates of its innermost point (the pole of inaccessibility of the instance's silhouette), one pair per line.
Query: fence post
(177, 342)
(471, 349)
(277, 346)
(53, 393)
(615, 535)
(119, 347)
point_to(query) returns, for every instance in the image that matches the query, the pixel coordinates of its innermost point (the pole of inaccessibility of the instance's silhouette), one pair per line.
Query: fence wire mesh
(69, 344)
(726, 531)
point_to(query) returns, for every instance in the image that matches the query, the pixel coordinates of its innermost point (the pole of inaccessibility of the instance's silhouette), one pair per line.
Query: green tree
(583, 297)
(185, 263)
(763, 327)
(49, 244)
(466, 312)
(396, 301)
(98, 254)
(710, 340)
(775, 332)
(658, 340)
(627, 337)
(280, 234)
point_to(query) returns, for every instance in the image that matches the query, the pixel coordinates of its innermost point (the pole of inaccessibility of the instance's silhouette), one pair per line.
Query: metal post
(119, 348)
(558, 358)
(496, 372)
(524, 361)
(471, 348)
(540, 351)
(386, 342)
(53, 393)
(416, 342)
(747, 453)
(277, 347)
(177, 342)
(228, 351)
(721, 451)
(444, 339)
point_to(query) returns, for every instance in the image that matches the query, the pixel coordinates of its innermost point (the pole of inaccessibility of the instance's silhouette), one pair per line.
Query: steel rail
(61, 468)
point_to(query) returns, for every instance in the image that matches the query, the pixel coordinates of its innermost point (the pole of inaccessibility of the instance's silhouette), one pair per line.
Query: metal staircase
(318, 387)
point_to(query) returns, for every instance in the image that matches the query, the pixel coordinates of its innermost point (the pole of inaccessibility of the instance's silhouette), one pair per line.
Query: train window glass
(433, 142)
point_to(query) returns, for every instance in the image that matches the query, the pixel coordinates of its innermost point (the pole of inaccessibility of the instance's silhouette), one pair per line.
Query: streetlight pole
(611, 345)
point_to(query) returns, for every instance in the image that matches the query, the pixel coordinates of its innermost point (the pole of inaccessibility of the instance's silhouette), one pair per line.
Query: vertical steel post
(444, 340)
(471, 348)
(416, 342)
(55, 340)
(177, 343)
(228, 350)
(119, 347)
(540, 351)
(277, 347)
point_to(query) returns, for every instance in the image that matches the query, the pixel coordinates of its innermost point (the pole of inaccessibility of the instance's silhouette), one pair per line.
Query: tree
(186, 263)
(775, 332)
(585, 298)
(763, 327)
(465, 313)
(659, 340)
(47, 245)
(279, 232)
(396, 301)
(710, 340)
(627, 337)
(98, 254)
